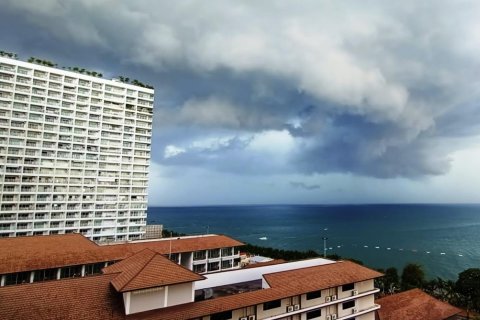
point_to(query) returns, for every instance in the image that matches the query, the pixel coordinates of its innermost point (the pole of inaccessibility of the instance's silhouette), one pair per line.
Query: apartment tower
(74, 153)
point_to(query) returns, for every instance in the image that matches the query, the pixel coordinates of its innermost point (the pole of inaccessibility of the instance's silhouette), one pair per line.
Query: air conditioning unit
(243, 318)
(334, 297)
(328, 299)
(329, 317)
(334, 316)
(289, 308)
(354, 310)
(252, 317)
(354, 292)
(296, 307)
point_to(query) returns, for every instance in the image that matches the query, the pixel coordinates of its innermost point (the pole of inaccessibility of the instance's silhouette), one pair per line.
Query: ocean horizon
(443, 238)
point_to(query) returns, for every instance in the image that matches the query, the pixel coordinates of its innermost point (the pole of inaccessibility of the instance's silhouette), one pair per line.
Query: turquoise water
(445, 239)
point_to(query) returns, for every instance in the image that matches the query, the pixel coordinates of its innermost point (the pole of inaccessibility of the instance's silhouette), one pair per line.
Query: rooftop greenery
(135, 82)
(48, 63)
(8, 54)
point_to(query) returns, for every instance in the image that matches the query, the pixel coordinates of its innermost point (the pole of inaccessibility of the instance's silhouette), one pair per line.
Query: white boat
(263, 238)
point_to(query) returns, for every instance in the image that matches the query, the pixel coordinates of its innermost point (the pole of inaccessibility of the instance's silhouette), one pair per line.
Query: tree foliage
(468, 286)
(413, 276)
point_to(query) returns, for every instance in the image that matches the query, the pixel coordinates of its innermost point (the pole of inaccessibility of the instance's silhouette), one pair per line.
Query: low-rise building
(145, 284)
(42, 258)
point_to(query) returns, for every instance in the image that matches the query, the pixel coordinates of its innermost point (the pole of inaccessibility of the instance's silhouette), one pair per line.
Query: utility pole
(324, 246)
(170, 251)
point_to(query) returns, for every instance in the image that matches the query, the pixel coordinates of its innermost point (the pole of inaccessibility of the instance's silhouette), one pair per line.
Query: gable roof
(325, 276)
(414, 305)
(148, 269)
(53, 251)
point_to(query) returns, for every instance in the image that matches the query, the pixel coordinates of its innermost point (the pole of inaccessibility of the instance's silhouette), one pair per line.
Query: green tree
(444, 290)
(468, 285)
(413, 276)
(391, 280)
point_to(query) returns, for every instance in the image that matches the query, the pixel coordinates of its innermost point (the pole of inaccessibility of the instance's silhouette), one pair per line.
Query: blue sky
(283, 101)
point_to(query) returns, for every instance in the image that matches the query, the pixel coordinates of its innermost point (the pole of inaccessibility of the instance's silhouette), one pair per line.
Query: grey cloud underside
(302, 185)
(371, 88)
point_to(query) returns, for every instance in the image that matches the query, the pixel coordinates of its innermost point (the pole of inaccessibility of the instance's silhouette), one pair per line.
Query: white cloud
(172, 151)
(272, 142)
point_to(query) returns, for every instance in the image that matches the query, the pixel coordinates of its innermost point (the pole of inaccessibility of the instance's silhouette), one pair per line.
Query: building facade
(44, 258)
(74, 153)
(143, 280)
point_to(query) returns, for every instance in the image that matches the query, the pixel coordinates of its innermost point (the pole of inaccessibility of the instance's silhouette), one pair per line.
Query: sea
(443, 239)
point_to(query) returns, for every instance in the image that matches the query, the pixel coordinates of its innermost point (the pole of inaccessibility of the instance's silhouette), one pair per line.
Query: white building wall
(262, 314)
(313, 302)
(74, 153)
(367, 316)
(144, 300)
(180, 293)
(365, 286)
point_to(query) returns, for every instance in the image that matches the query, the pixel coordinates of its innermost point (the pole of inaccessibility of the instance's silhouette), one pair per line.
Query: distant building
(74, 153)
(140, 282)
(415, 305)
(153, 231)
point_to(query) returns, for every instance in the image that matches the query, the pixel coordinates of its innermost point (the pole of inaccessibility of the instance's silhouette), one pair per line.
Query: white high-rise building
(74, 153)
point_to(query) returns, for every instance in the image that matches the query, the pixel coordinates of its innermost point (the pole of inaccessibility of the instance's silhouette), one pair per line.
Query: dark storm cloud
(302, 185)
(370, 88)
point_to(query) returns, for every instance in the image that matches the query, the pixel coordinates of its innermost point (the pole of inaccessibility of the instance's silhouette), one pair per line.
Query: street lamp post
(324, 246)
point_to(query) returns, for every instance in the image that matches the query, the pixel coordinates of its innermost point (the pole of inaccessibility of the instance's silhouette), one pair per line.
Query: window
(17, 278)
(221, 315)
(174, 257)
(227, 264)
(213, 266)
(199, 268)
(214, 253)
(94, 268)
(348, 305)
(69, 272)
(272, 304)
(347, 287)
(314, 295)
(199, 255)
(44, 275)
(314, 314)
(227, 252)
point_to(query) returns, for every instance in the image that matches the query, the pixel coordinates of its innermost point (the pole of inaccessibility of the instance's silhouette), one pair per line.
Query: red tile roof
(147, 269)
(187, 244)
(325, 276)
(88, 298)
(414, 305)
(44, 252)
(94, 298)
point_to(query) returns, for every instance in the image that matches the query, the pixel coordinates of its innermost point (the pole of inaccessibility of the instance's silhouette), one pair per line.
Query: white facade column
(166, 296)
(32, 276)
(2, 280)
(59, 273)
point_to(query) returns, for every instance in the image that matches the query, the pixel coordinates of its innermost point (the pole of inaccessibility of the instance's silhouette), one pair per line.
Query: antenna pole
(324, 246)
